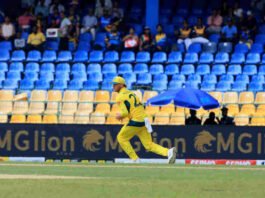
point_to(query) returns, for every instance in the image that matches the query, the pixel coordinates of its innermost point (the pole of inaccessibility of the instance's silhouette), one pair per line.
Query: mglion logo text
(92, 139)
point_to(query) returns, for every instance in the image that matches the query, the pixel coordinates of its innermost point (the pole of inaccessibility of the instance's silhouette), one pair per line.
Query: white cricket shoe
(172, 155)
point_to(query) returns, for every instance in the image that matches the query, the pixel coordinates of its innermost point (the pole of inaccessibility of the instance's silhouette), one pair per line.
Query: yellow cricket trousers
(128, 132)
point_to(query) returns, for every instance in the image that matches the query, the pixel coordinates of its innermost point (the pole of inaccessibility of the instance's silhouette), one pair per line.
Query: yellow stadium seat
(34, 119)
(246, 97)
(97, 118)
(3, 118)
(233, 109)
(18, 119)
(50, 119)
(217, 95)
(260, 98)
(69, 102)
(54, 95)
(138, 93)
(115, 108)
(20, 107)
(113, 97)
(230, 98)
(38, 95)
(260, 109)
(86, 96)
(177, 118)
(248, 109)
(170, 108)
(258, 119)
(54, 102)
(161, 118)
(82, 118)
(241, 119)
(66, 119)
(102, 96)
(111, 119)
(148, 94)
(37, 102)
(180, 110)
(103, 108)
(152, 110)
(84, 107)
(6, 98)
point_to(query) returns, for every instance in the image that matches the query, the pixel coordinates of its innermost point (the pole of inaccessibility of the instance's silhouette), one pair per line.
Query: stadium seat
(253, 58)
(175, 57)
(26, 84)
(102, 96)
(260, 38)
(222, 58)
(177, 119)
(192, 84)
(225, 47)
(75, 84)
(148, 94)
(194, 77)
(18, 119)
(214, 38)
(156, 69)
(140, 68)
(97, 118)
(127, 57)
(263, 59)
(95, 57)
(227, 78)
(191, 58)
(125, 68)
(255, 86)
(248, 109)
(230, 98)
(103, 108)
(31, 76)
(32, 67)
(203, 69)
(217, 95)
(161, 118)
(111, 57)
(250, 69)
(49, 56)
(10, 84)
(42, 84)
(85, 37)
(143, 57)
(210, 47)
(241, 119)
(107, 85)
(3, 67)
(233, 109)
(47, 67)
(179, 77)
(129, 78)
(260, 98)
(144, 78)
(66, 119)
(18, 55)
(81, 118)
(210, 78)
(16, 67)
(59, 84)
(93, 68)
(234, 69)
(159, 57)
(100, 39)
(90, 85)
(37, 101)
(171, 69)
(4, 55)
(78, 68)
(152, 110)
(206, 58)
(6, 100)
(34, 56)
(207, 86)
(52, 45)
(61, 75)
(175, 84)
(237, 58)
(256, 48)
(187, 69)
(170, 108)
(109, 68)
(239, 86)
(241, 48)
(63, 68)
(20, 107)
(7, 45)
(50, 119)
(3, 118)
(218, 69)
(242, 78)
(195, 48)
(34, 119)
(81, 56)
(258, 78)
(223, 86)
(69, 105)
(246, 98)
(159, 85)
(258, 120)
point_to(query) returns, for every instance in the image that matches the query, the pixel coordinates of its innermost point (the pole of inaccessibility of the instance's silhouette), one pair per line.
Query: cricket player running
(131, 107)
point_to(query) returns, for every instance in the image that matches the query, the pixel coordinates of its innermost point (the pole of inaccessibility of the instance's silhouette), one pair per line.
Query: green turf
(134, 181)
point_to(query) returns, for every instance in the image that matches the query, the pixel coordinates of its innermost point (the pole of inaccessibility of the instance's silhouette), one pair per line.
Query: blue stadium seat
(194, 77)
(225, 47)
(174, 84)
(210, 78)
(63, 67)
(95, 76)
(10, 84)
(49, 56)
(181, 47)
(75, 84)
(223, 86)
(175, 57)
(59, 84)
(14, 75)
(3, 67)
(242, 78)
(159, 57)
(109, 68)
(203, 69)
(32, 67)
(48, 76)
(64, 56)
(125, 68)
(239, 86)
(81, 56)
(129, 78)
(195, 48)
(52, 45)
(106, 85)
(218, 69)
(160, 77)
(172, 69)
(34, 56)
(42, 84)
(187, 69)
(47, 67)
(127, 57)
(26, 84)
(159, 85)
(260, 38)
(221, 57)
(262, 69)
(100, 39)
(179, 78)
(256, 48)
(62, 75)
(237, 58)
(207, 86)
(87, 37)
(91, 85)
(206, 58)
(255, 86)
(4, 55)
(241, 48)
(192, 84)
(2, 77)
(16, 66)
(210, 47)
(250, 69)
(143, 57)
(215, 38)
(78, 68)
(83, 46)
(253, 58)
(111, 57)
(140, 68)
(18, 55)
(263, 59)
(234, 69)
(227, 78)
(95, 57)
(144, 79)
(81, 76)
(258, 78)
(191, 58)
(93, 68)
(7, 45)
(32, 75)
(156, 69)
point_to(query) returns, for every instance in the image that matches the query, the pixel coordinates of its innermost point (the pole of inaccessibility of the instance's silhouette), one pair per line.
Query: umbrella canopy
(185, 97)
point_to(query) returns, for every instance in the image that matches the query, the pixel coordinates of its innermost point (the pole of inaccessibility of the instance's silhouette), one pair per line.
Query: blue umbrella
(185, 97)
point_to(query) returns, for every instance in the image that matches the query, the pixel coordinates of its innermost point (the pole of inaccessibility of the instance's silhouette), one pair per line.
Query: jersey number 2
(135, 102)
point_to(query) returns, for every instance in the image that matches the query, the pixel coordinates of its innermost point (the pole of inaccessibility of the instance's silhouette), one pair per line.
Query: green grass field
(37, 180)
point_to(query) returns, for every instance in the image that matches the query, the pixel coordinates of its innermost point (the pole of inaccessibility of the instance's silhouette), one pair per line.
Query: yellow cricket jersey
(131, 107)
